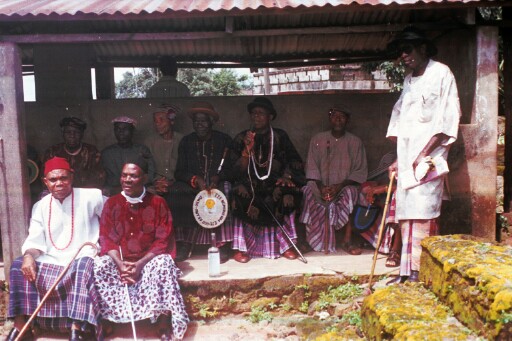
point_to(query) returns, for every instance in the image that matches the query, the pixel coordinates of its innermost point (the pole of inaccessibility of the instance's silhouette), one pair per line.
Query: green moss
(409, 312)
(479, 273)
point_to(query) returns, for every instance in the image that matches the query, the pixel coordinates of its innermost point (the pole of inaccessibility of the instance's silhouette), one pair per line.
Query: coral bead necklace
(72, 222)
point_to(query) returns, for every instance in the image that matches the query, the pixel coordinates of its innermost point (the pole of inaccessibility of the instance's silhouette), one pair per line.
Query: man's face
(260, 117)
(132, 180)
(338, 120)
(72, 136)
(202, 124)
(412, 55)
(163, 124)
(123, 132)
(59, 183)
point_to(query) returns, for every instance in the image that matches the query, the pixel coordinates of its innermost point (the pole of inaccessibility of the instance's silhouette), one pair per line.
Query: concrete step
(473, 277)
(409, 312)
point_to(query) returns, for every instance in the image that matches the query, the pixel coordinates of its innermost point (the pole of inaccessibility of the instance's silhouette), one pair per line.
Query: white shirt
(428, 105)
(88, 204)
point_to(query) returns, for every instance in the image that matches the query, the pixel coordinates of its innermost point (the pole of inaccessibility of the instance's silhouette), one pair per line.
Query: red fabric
(137, 228)
(56, 163)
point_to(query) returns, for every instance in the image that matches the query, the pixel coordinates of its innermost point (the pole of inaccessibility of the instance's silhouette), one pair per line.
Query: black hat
(262, 102)
(412, 35)
(140, 161)
(73, 122)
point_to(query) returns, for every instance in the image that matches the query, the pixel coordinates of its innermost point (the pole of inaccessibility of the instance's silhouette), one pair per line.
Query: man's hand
(242, 191)
(249, 140)
(162, 185)
(130, 272)
(200, 183)
(29, 268)
(285, 182)
(393, 168)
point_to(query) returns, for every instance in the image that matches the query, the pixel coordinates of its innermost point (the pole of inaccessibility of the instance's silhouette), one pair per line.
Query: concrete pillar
(14, 187)
(62, 72)
(485, 116)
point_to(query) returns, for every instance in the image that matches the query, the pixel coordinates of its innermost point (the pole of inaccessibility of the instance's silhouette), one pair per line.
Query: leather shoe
(13, 334)
(397, 280)
(290, 254)
(414, 277)
(241, 257)
(75, 335)
(183, 251)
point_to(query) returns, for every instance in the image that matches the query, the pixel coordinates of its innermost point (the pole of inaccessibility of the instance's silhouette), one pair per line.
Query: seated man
(373, 192)
(61, 222)
(137, 245)
(267, 168)
(335, 168)
(164, 149)
(114, 156)
(203, 162)
(83, 158)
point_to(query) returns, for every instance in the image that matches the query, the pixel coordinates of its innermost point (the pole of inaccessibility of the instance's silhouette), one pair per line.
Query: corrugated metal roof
(126, 7)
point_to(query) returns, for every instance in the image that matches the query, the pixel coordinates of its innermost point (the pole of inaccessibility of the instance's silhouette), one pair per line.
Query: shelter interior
(60, 48)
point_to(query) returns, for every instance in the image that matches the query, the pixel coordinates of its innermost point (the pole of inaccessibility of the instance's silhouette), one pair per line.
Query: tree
(200, 81)
(135, 85)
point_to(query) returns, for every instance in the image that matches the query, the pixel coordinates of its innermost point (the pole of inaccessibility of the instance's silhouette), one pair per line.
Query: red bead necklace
(72, 222)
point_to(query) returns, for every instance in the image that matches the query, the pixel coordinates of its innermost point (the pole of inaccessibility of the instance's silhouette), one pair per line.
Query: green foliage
(506, 318)
(205, 312)
(259, 313)
(135, 85)
(304, 307)
(503, 224)
(338, 294)
(201, 82)
(353, 318)
(286, 307)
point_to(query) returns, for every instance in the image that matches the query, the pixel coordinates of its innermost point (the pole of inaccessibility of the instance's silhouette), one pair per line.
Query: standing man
(115, 156)
(424, 124)
(61, 222)
(83, 158)
(137, 245)
(164, 149)
(168, 85)
(203, 163)
(268, 173)
(335, 169)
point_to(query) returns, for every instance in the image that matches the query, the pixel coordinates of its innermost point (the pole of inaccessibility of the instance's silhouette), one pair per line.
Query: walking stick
(327, 223)
(284, 232)
(63, 272)
(127, 294)
(381, 229)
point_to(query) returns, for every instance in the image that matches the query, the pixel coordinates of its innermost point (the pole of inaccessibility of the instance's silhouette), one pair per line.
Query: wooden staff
(63, 272)
(130, 309)
(381, 228)
(327, 223)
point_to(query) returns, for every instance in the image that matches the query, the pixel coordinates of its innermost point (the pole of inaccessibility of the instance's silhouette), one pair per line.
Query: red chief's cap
(56, 163)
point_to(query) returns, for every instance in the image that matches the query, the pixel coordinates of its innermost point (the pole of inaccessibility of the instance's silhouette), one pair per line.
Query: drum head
(33, 171)
(210, 209)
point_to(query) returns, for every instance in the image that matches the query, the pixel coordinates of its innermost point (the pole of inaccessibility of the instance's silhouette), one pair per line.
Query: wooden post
(507, 95)
(14, 186)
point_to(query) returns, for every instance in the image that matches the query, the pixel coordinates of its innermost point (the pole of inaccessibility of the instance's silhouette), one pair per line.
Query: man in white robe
(424, 124)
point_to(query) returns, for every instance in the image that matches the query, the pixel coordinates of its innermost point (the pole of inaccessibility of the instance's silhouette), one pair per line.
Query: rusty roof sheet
(126, 7)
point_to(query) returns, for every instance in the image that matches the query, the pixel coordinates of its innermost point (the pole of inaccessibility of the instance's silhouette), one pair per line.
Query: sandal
(393, 260)
(351, 249)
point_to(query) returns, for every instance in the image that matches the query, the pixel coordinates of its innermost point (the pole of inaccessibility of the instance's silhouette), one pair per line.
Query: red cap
(56, 163)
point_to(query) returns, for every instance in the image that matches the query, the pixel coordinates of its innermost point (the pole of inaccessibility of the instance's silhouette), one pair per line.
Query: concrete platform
(195, 270)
